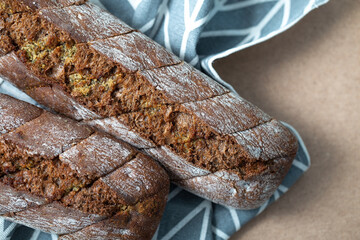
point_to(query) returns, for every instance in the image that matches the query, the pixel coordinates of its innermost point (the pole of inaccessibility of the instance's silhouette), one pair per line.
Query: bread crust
(109, 167)
(204, 133)
(12, 117)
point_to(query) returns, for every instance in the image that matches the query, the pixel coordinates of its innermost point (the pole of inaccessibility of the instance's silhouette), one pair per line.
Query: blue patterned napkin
(199, 32)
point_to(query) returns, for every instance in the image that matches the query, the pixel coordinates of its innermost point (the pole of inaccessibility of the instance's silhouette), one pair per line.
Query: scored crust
(61, 177)
(125, 84)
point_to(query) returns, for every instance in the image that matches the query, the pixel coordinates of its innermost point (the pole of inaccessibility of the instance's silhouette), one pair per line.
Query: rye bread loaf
(88, 65)
(62, 177)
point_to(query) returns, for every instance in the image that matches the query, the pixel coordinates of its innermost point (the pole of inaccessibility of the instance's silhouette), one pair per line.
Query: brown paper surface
(309, 76)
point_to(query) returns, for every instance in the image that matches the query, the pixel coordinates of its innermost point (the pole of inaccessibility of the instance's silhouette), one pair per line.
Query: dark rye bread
(212, 142)
(61, 177)
(10, 7)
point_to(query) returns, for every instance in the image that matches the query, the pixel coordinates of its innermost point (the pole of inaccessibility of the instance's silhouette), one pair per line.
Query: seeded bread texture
(125, 84)
(9, 8)
(61, 177)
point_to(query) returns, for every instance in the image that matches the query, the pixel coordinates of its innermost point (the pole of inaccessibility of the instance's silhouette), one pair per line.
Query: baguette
(61, 177)
(211, 142)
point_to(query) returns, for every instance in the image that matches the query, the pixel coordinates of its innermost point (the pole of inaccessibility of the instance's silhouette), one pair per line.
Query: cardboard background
(309, 77)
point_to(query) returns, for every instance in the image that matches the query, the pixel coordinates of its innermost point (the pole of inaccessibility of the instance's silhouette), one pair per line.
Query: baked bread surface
(62, 177)
(86, 64)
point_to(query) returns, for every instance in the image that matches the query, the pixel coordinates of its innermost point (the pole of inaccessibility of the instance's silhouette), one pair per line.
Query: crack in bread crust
(73, 185)
(106, 203)
(127, 87)
(26, 7)
(234, 169)
(19, 162)
(123, 207)
(5, 164)
(80, 85)
(131, 98)
(128, 208)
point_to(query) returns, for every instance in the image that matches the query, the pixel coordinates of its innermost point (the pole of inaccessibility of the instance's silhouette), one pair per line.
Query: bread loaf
(86, 64)
(61, 177)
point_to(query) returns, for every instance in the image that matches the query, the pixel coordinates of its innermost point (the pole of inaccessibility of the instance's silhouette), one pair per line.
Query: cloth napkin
(199, 32)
